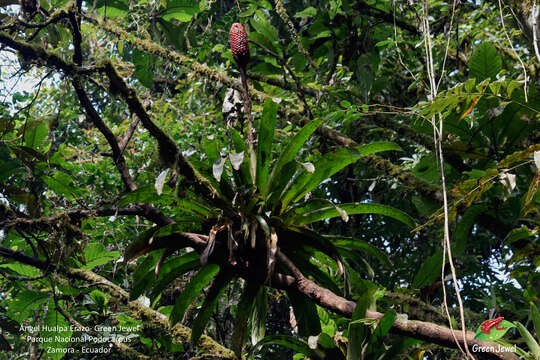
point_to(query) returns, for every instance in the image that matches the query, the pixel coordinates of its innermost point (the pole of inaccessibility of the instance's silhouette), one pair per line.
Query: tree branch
(425, 331)
(118, 158)
(45, 223)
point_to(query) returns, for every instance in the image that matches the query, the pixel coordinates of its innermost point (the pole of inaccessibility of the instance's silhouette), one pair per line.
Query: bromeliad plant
(255, 225)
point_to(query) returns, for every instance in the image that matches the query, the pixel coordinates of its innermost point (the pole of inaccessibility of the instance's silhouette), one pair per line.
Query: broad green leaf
(112, 8)
(265, 29)
(281, 183)
(244, 310)
(292, 343)
(429, 271)
(19, 308)
(425, 205)
(464, 227)
(181, 10)
(485, 62)
(195, 207)
(208, 306)
(307, 12)
(143, 68)
(22, 269)
(259, 315)
(56, 329)
(146, 194)
(305, 312)
(293, 146)
(145, 265)
(383, 327)
(35, 135)
(96, 254)
(366, 301)
(191, 291)
(311, 215)
(493, 333)
(325, 167)
(171, 29)
(302, 261)
(99, 298)
(358, 333)
(211, 148)
(60, 183)
(267, 125)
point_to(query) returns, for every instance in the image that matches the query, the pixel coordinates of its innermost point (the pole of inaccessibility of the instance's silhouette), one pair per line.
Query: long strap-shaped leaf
(216, 290)
(305, 312)
(259, 315)
(267, 125)
(327, 166)
(170, 270)
(245, 307)
(292, 343)
(191, 291)
(291, 149)
(173, 270)
(348, 243)
(326, 212)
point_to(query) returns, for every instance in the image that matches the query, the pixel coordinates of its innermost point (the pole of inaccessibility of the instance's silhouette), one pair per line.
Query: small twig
(29, 242)
(534, 30)
(38, 90)
(300, 91)
(514, 50)
(129, 134)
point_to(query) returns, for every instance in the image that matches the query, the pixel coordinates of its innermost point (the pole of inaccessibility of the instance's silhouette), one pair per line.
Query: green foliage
(343, 120)
(192, 290)
(485, 62)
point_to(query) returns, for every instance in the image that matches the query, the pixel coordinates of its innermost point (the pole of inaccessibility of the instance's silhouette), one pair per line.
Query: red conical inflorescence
(239, 44)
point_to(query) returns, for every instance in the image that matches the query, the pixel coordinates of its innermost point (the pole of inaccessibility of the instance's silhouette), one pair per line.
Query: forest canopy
(270, 179)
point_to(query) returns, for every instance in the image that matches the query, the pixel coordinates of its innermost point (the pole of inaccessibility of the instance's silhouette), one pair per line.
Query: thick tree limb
(425, 331)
